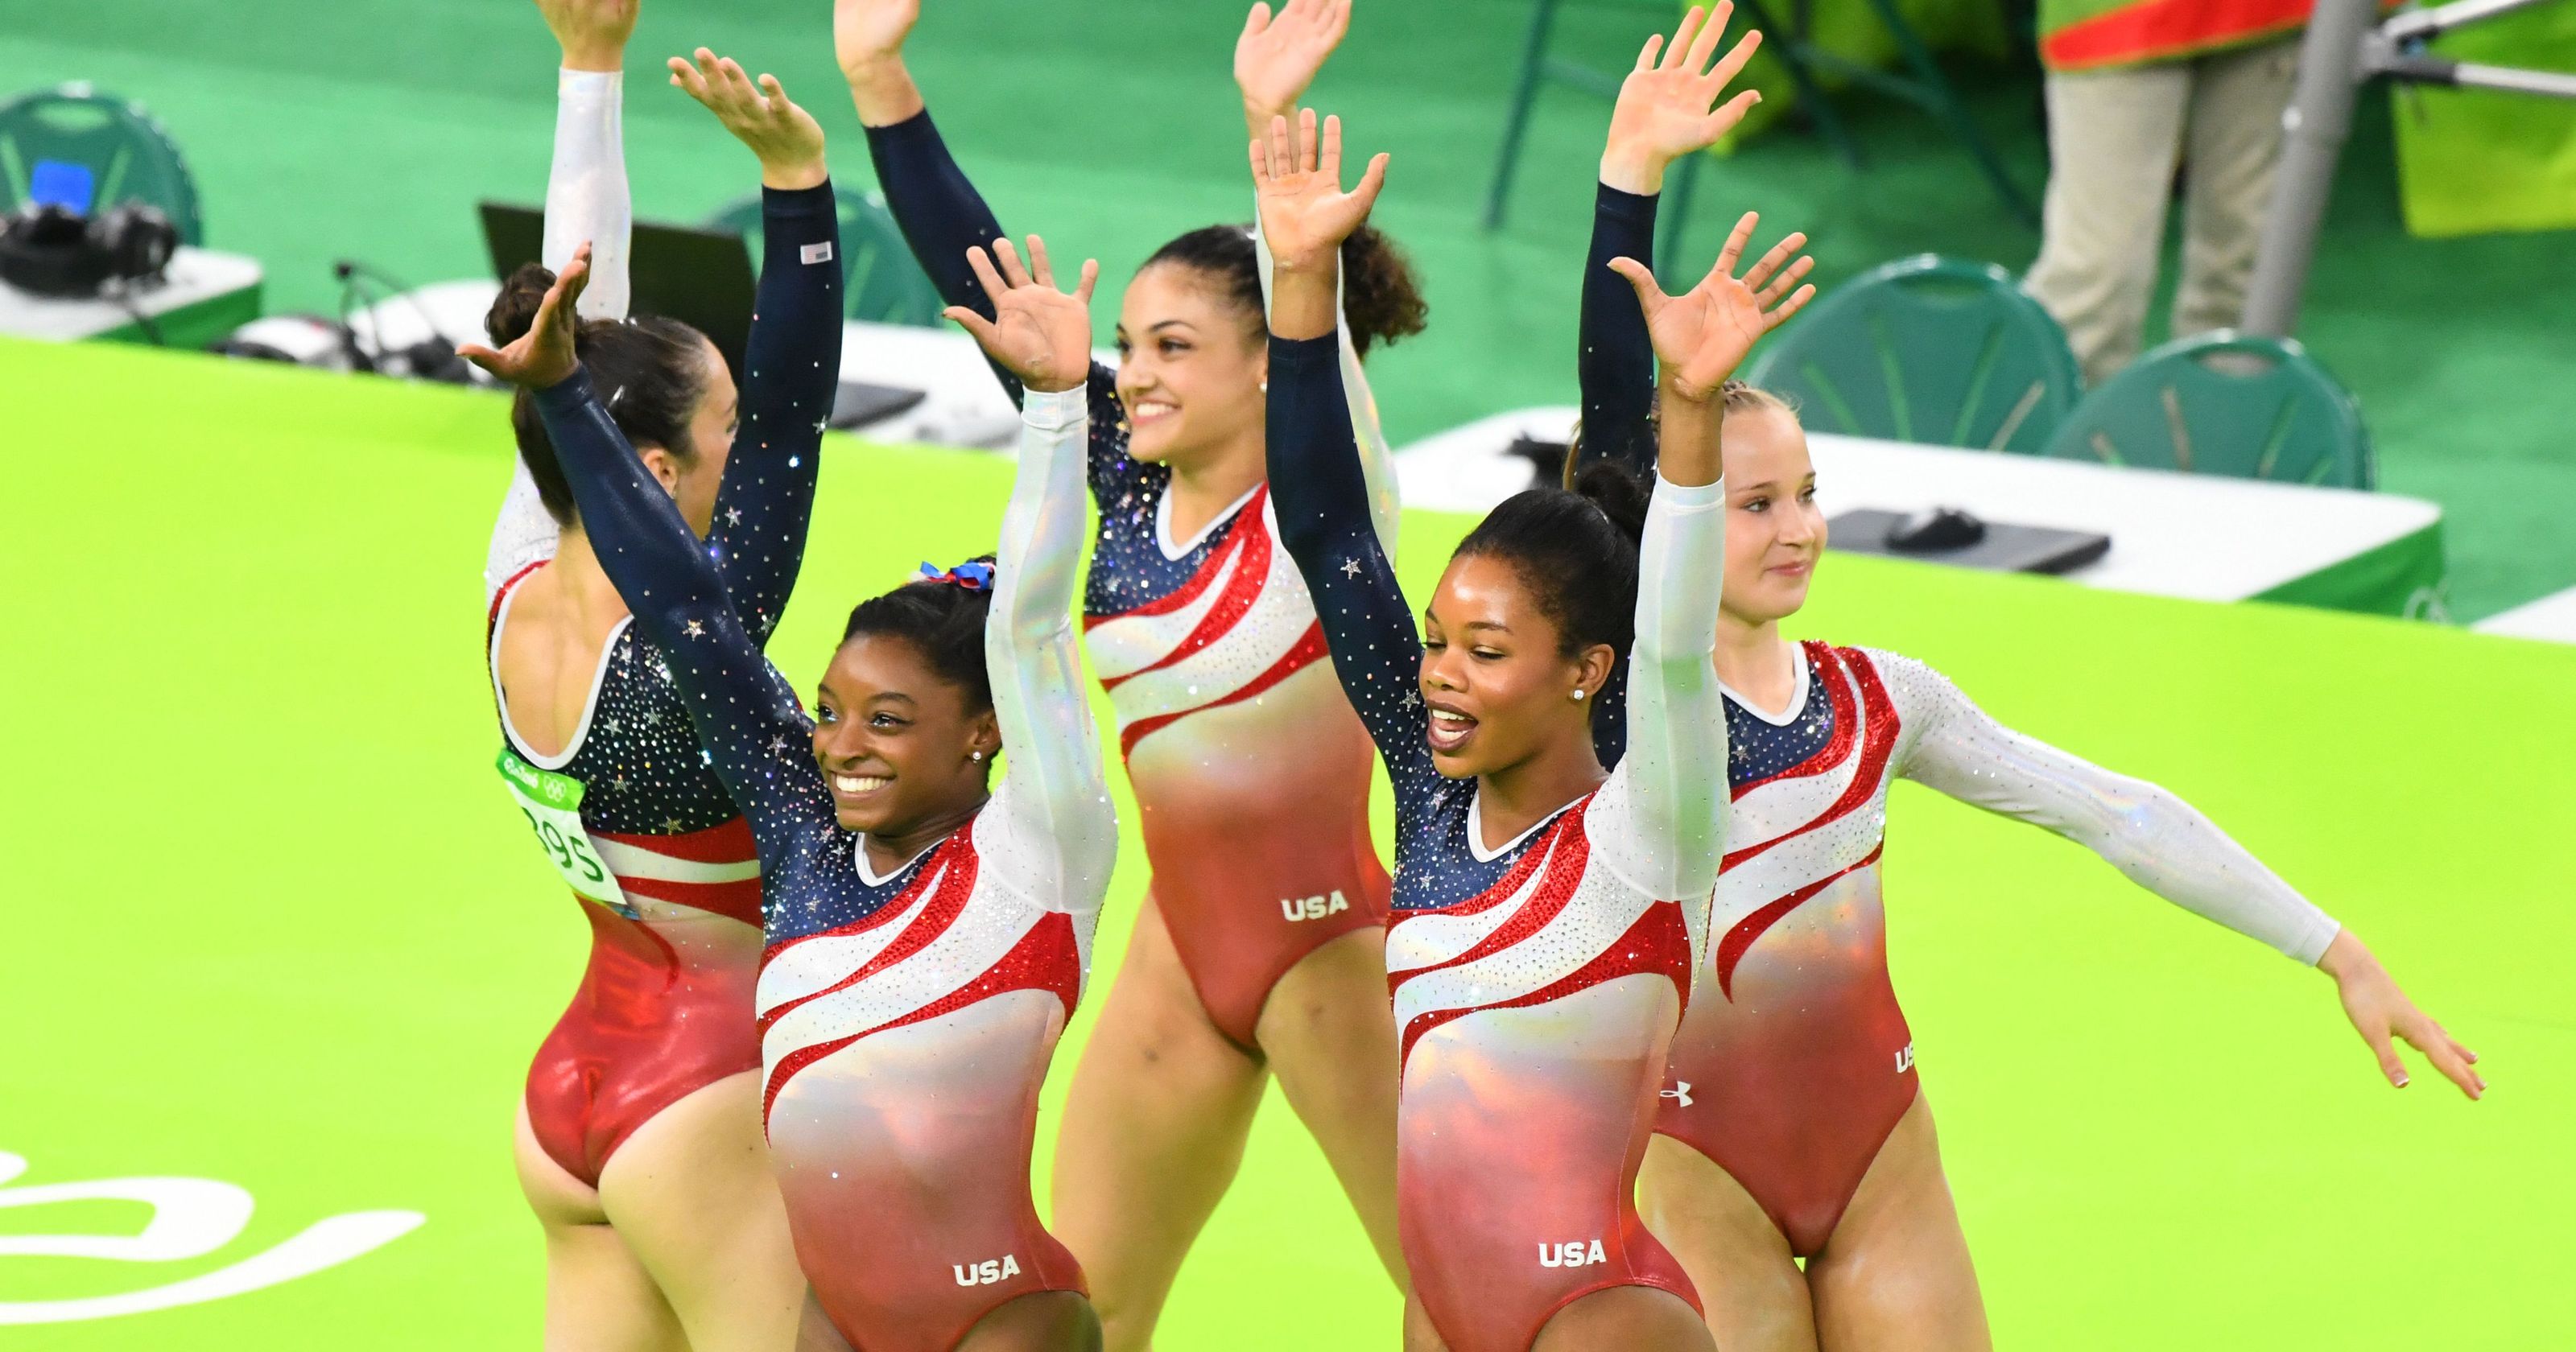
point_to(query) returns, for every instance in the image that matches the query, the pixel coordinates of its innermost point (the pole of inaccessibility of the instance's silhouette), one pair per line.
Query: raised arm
(1275, 59)
(792, 359)
(938, 209)
(1054, 792)
(2159, 842)
(1318, 490)
(1377, 461)
(1664, 112)
(1673, 777)
(586, 201)
(745, 716)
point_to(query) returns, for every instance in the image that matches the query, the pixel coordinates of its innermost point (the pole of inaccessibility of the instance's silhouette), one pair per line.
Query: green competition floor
(367, 129)
(271, 923)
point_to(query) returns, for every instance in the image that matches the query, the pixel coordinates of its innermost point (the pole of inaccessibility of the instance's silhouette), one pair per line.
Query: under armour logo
(1680, 1095)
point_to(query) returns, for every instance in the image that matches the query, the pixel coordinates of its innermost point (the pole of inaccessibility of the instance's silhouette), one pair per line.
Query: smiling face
(692, 478)
(1190, 368)
(1495, 674)
(1774, 531)
(897, 743)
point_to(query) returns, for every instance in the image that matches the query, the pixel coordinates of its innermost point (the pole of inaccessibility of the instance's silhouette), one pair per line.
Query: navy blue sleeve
(746, 717)
(942, 216)
(1320, 496)
(792, 368)
(1616, 363)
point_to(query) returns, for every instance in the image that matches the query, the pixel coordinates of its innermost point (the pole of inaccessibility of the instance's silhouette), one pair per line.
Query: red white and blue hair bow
(976, 576)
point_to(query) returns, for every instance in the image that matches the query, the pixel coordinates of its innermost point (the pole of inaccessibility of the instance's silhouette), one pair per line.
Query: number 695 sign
(552, 803)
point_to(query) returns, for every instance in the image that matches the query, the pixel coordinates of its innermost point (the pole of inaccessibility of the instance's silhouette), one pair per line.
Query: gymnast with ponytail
(1795, 1172)
(1259, 948)
(638, 1144)
(928, 930)
(1548, 913)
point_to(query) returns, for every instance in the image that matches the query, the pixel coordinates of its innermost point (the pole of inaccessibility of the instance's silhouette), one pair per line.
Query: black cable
(151, 331)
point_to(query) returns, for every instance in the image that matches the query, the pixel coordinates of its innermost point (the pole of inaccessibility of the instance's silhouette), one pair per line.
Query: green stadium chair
(885, 285)
(129, 156)
(1928, 349)
(2225, 403)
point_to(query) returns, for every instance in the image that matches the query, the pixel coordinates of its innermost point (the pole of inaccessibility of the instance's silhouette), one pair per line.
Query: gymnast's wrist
(1633, 170)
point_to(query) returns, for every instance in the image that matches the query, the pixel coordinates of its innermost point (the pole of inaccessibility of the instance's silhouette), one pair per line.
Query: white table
(2552, 617)
(2198, 536)
(962, 404)
(202, 296)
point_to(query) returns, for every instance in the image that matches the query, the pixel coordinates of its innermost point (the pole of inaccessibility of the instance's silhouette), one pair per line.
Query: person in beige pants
(2113, 139)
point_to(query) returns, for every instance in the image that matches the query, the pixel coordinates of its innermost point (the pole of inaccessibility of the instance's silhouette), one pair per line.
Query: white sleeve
(1663, 811)
(525, 534)
(586, 199)
(1054, 796)
(586, 195)
(1377, 463)
(2161, 842)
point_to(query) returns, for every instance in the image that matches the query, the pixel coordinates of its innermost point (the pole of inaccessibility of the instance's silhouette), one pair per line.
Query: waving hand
(1037, 333)
(761, 116)
(1279, 54)
(1703, 334)
(1668, 106)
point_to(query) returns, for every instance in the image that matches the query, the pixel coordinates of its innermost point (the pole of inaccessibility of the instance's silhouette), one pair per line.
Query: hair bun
(514, 311)
(1617, 492)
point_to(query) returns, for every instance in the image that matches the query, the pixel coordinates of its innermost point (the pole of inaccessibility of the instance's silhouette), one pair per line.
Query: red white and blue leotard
(1251, 774)
(906, 1020)
(1794, 1062)
(664, 1008)
(1537, 983)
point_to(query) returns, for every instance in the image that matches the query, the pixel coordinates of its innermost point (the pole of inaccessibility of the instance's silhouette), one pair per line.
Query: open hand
(784, 136)
(1305, 215)
(868, 32)
(1037, 333)
(2380, 1011)
(1278, 55)
(1664, 110)
(1701, 335)
(592, 33)
(543, 356)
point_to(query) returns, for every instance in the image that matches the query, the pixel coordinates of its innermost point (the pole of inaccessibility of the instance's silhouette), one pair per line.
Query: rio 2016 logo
(191, 1218)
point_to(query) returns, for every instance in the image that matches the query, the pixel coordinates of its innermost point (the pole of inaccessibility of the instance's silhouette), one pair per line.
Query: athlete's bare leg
(1895, 1275)
(814, 1331)
(1632, 1318)
(599, 1298)
(1043, 1321)
(1748, 1281)
(1153, 1131)
(1328, 1032)
(1419, 1335)
(692, 1194)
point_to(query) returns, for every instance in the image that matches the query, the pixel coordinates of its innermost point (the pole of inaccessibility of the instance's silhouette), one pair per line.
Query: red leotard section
(663, 1010)
(1258, 838)
(903, 1156)
(1511, 1122)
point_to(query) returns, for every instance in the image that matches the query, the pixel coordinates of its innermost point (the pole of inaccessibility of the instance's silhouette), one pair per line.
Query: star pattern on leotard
(697, 629)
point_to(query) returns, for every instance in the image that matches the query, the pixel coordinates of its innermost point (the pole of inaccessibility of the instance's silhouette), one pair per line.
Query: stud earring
(975, 755)
(1578, 695)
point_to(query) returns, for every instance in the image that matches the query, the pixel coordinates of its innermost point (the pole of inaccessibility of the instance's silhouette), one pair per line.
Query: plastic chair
(884, 284)
(128, 154)
(2225, 403)
(1928, 349)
